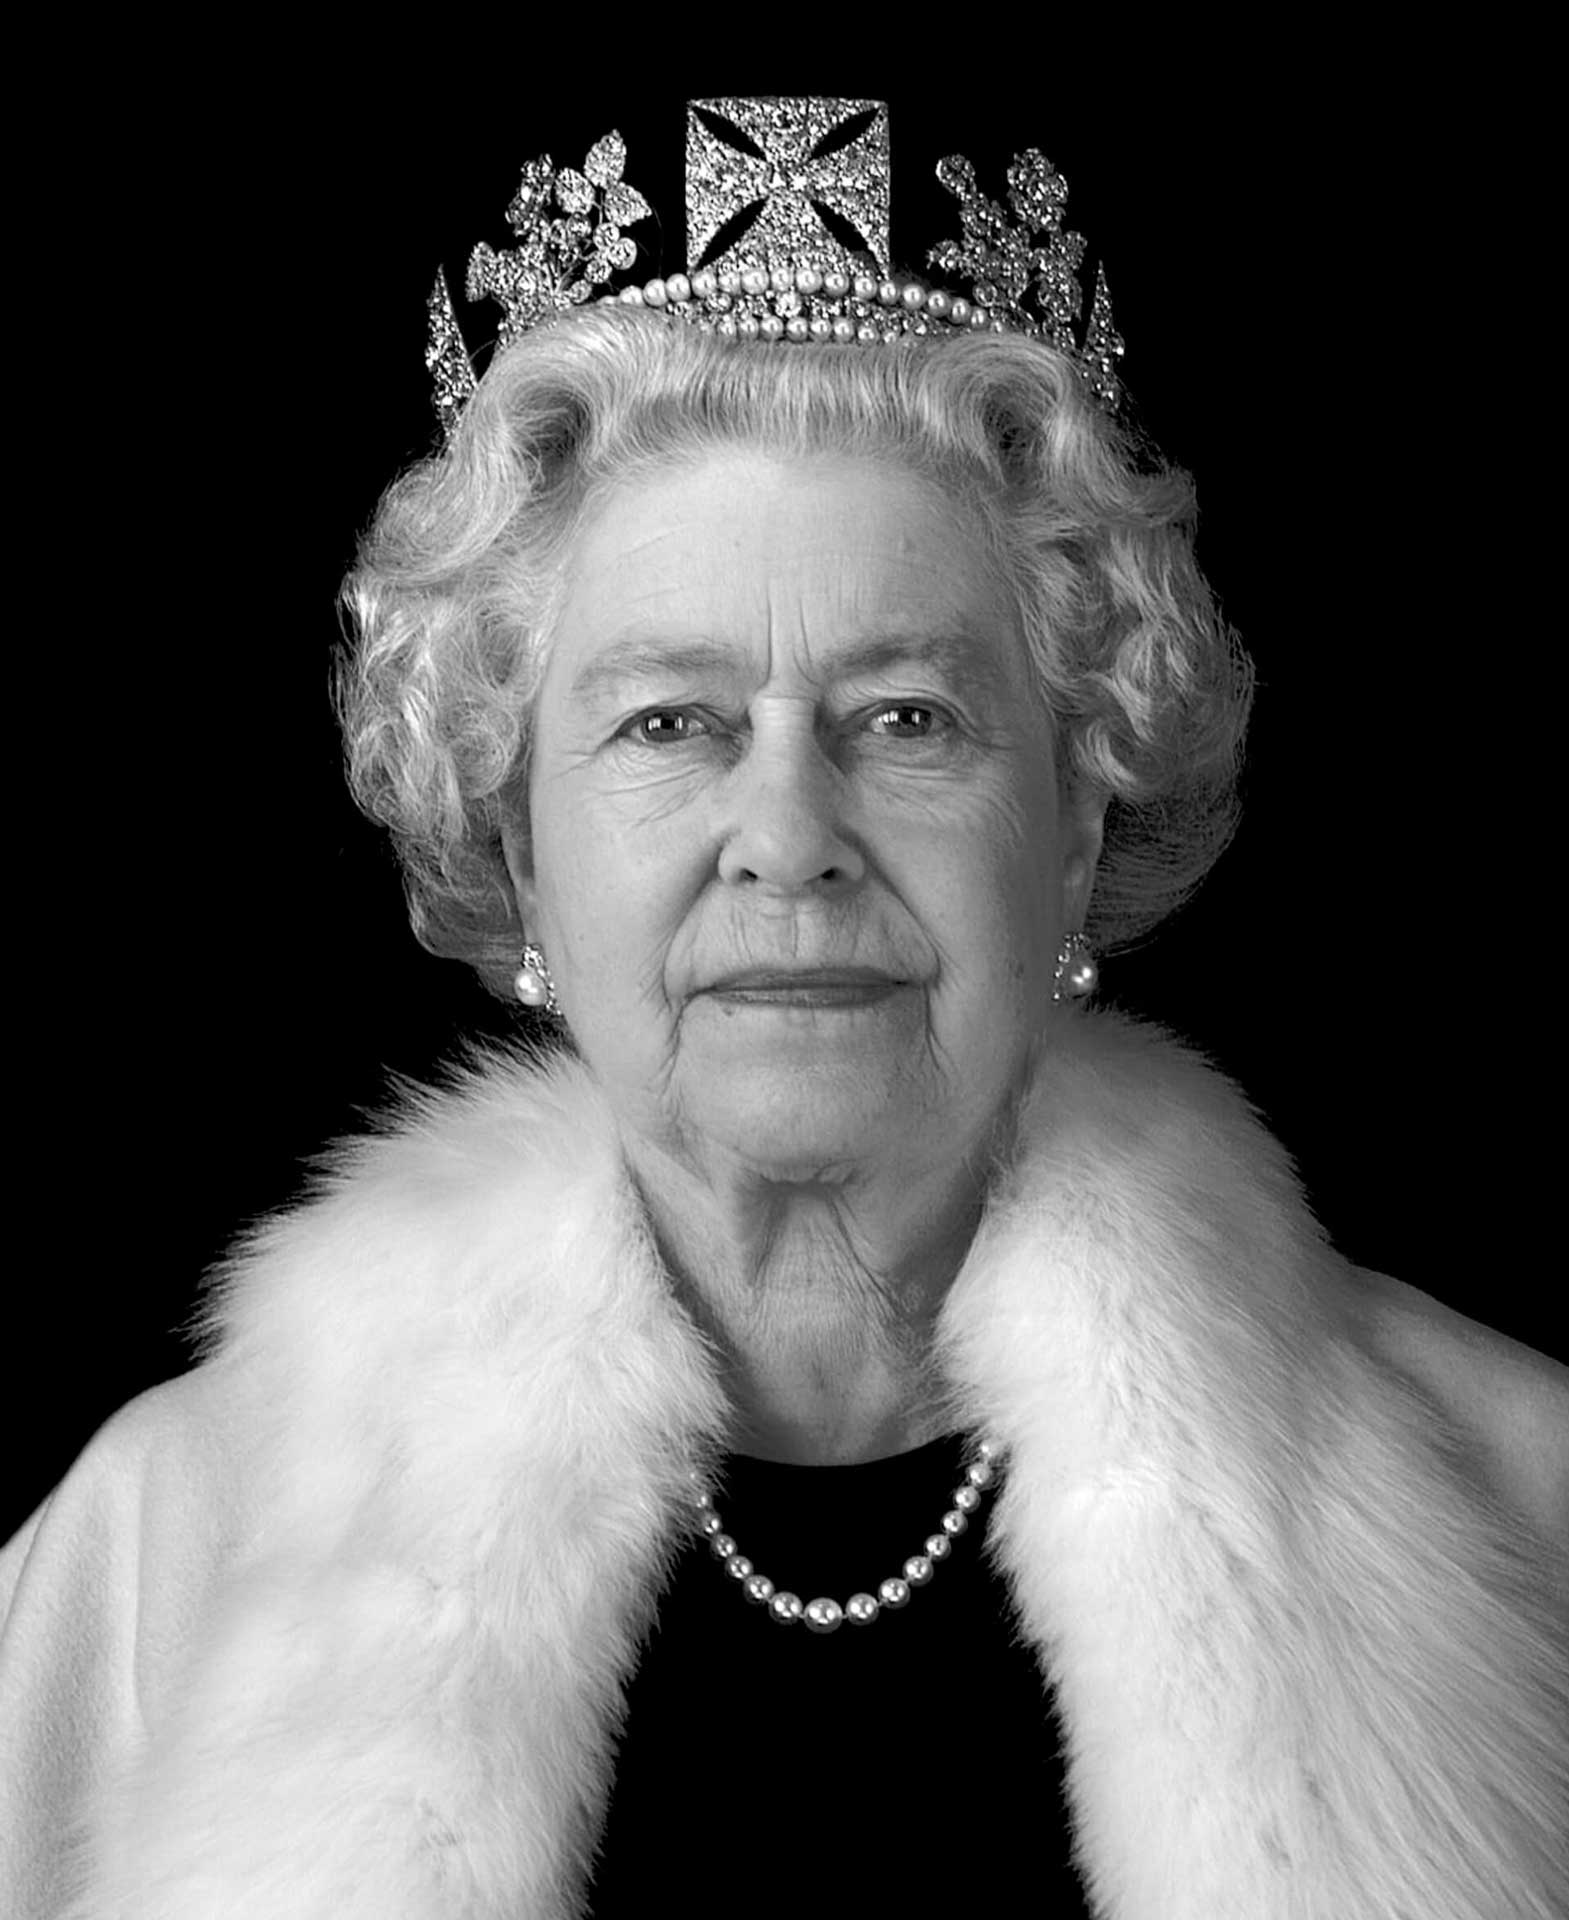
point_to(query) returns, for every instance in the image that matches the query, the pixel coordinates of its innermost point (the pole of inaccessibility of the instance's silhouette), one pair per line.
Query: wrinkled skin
(814, 1177)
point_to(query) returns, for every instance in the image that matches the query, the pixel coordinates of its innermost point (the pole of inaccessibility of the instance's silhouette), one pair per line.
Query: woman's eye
(900, 713)
(675, 723)
(634, 728)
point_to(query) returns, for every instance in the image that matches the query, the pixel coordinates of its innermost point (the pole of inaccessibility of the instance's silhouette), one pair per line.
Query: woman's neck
(822, 1299)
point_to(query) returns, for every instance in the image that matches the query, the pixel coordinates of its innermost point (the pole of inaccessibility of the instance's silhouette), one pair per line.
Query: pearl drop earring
(1076, 965)
(532, 983)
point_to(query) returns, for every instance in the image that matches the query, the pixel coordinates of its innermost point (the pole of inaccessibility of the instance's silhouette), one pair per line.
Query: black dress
(911, 1766)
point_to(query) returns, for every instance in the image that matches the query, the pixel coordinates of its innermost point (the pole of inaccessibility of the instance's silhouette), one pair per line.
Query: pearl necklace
(827, 1616)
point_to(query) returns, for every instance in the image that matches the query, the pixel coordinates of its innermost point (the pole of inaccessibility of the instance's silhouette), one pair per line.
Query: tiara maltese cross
(787, 239)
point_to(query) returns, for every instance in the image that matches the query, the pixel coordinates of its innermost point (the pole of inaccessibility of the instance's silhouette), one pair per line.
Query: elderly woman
(830, 1417)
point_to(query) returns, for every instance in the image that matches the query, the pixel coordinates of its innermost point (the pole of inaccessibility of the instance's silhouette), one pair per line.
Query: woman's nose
(784, 820)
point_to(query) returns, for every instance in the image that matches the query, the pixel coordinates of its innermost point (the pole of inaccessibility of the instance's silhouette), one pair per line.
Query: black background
(1318, 256)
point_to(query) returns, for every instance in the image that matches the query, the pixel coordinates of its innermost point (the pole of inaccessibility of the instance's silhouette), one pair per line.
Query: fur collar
(470, 1399)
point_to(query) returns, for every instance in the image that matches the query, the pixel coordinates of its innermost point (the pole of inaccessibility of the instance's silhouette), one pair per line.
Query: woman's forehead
(745, 543)
(774, 490)
(976, 662)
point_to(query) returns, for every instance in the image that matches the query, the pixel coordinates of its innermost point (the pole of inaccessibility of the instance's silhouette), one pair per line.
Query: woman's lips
(864, 994)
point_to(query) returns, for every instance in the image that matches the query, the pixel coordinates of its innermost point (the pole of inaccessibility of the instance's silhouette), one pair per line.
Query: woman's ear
(1083, 830)
(518, 850)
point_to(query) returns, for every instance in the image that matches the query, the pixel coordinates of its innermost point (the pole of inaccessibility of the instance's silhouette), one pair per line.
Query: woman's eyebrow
(956, 658)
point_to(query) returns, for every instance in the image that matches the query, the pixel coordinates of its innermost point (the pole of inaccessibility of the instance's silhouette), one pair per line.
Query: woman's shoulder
(1510, 1399)
(166, 1454)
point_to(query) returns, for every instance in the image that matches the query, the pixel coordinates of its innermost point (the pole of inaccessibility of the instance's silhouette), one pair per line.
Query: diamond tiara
(810, 172)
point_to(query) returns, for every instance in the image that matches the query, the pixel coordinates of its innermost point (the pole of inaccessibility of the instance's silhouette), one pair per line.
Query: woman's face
(788, 724)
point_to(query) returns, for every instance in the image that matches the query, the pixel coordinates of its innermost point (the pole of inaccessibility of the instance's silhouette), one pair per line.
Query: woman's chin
(792, 1119)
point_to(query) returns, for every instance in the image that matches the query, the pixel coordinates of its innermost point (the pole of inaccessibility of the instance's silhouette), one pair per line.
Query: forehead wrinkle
(957, 658)
(829, 578)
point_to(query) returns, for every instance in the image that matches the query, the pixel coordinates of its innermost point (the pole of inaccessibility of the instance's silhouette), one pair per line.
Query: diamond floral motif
(559, 261)
(574, 191)
(1021, 254)
(606, 163)
(532, 197)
